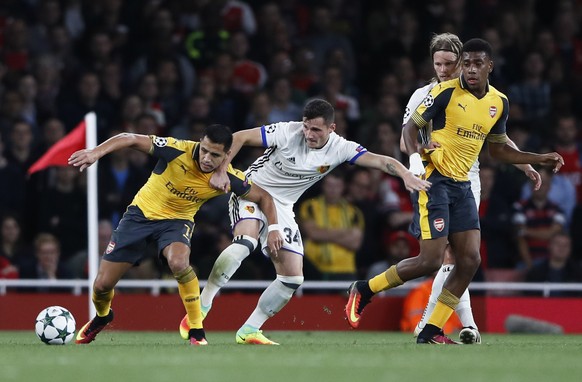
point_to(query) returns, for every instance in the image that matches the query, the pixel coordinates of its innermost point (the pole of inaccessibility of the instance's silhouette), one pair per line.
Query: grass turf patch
(354, 356)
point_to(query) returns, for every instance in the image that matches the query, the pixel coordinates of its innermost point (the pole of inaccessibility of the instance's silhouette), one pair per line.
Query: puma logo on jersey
(462, 107)
(184, 169)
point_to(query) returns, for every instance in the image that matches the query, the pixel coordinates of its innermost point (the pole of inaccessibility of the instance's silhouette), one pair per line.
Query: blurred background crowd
(170, 67)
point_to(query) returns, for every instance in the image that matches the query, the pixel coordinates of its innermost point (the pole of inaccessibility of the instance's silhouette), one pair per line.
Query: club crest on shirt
(110, 247)
(251, 209)
(493, 111)
(439, 224)
(323, 169)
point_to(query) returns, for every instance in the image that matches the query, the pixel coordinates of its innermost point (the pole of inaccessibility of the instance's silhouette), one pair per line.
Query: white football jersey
(415, 100)
(289, 167)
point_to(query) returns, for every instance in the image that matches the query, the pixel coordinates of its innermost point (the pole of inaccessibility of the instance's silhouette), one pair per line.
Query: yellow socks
(445, 306)
(102, 302)
(386, 280)
(189, 290)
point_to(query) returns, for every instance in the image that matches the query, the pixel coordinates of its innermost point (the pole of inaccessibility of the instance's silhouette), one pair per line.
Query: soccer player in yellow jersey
(465, 112)
(445, 52)
(163, 210)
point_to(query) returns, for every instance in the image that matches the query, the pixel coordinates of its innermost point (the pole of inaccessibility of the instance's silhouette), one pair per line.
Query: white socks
(463, 309)
(273, 299)
(225, 266)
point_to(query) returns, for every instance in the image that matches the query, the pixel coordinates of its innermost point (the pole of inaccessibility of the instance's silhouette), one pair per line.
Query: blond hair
(447, 42)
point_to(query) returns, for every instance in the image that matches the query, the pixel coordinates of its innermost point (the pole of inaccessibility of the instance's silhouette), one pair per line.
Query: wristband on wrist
(416, 165)
(274, 227)
(414, 157)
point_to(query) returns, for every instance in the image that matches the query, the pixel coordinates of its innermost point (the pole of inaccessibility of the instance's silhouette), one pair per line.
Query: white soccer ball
(55, 325)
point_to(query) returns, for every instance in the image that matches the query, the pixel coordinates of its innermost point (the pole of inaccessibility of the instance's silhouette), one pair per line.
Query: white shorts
(475, 183)
(240, 209)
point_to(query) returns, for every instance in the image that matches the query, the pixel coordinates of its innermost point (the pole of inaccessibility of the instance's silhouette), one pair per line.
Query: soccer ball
(55, 325)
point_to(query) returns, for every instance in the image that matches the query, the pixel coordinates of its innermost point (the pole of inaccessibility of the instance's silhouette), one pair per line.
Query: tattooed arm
(393, 167)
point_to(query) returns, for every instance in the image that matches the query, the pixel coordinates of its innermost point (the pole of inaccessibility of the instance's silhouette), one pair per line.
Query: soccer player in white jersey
(297, 155)
(445, 51)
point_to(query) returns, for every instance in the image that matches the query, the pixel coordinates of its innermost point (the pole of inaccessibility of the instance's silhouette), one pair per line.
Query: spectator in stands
(400, 245)
(11, 111)
(132, 107)
(283, 107)
(111, 78)
(561, 192)
(238, 15)
(533, 93)
(197, 111)
(53, 130)
(569, 146)
(27, 88)
(332, 90)
(149, 92)
(21, 149)
(12, 181)
(322, 40)
(16, 54)
(48, 14)
(333, 230)
(229, 103)
(13, 250)
(51, 72)
(535, 221)
(248, 76)
(47, 264)
(63, 211)
(260, 113)
(173, 90)
(303, 76)
(85, 97)
(559, 267)
(362, 193)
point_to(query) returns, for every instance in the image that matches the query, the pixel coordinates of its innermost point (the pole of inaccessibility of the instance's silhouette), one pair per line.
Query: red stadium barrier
(308, 312)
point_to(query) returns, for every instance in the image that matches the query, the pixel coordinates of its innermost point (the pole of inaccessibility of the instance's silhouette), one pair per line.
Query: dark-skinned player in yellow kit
(465, 112)
(163, 211)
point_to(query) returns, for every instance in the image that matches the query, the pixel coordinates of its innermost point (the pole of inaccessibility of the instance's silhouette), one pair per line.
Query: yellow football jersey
(177, 187)
(326, 256)
(461, 123)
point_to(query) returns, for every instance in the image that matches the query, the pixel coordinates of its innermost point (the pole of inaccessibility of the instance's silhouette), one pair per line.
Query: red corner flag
(60, 152)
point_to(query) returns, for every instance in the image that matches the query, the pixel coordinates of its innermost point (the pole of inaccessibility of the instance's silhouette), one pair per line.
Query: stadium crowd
(171, 67)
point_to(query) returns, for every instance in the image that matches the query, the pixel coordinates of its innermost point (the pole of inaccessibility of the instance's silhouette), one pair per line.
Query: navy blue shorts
(129, 240)
(448, 207)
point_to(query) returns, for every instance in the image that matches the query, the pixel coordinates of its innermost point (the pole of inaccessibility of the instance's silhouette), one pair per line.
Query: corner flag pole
(92, 219)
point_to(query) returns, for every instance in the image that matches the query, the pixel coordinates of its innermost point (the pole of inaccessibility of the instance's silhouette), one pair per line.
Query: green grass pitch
(354, 356)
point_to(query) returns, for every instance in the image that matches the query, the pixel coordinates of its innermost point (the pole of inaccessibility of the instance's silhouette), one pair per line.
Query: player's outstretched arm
(85, 158)
(265, 202)
(393, 167)
(508, 154)
(249, 137)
